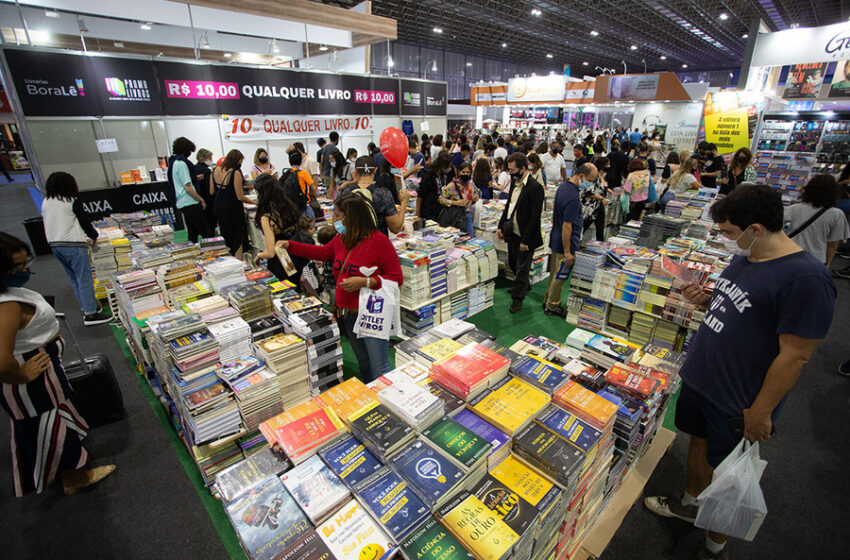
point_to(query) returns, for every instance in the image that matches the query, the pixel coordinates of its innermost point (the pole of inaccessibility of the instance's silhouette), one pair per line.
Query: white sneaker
(671, 507)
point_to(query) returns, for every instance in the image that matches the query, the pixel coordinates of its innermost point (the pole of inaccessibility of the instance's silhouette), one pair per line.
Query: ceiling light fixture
(633, 47)
(227, 55)
(504, 45)
(433, 66)
(550, 55)
(51, 14)
(438, 30)
(724, 16)
(585, 63)
(146, 25)
(390, 62)
(745, 36)
(684, 65)
(118, 45)
(536, 12)
(323, 48)
(594, 33)
(275, 48)
(81, 24)
(469, 64)
(205, 41)
(663, 57)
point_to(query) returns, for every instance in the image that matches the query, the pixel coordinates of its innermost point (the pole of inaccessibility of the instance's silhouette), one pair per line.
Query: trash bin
(38, 238)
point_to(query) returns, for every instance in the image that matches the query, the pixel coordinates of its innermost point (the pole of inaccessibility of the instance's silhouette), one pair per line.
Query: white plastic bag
(378, 312)
(733, 504)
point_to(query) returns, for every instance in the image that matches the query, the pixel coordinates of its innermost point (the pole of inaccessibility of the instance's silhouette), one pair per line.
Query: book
(631, 381)
(577, 432)
(308, 547)
(549, 452)
(451, 402)
(512, 405)
(437, 351)
(458, 443)
(303, 435)
(480, 530)
(351, 461)
(586, 404)
(431, 475)
(527, 483)
(470, 370)
(267, 520)
(432, 541)
(508, 506)
(542, 374)
(348, 398)
(316, 488)
(499, 440)
(380, 430)
(241, 477)
(352, 534)
(391, 501)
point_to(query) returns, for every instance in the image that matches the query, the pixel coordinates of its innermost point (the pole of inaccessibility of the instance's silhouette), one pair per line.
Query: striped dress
(47, 430)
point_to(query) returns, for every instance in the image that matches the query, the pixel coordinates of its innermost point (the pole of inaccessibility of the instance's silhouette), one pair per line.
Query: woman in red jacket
(359, 245)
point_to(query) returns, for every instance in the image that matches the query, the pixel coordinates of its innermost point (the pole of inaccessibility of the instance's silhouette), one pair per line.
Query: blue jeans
(75, 261)
(469, 228)
(373, 354)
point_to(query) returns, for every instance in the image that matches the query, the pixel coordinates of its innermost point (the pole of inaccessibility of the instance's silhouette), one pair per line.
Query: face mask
(742, 159)
(262, 159)
(340, 227)
(18, 279)
(333, 164)
(464, 178)
(586, 185)
(732, 246)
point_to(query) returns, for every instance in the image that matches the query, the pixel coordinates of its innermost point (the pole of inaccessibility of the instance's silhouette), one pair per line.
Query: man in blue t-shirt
(770, 309)
(634, 139)
(565, 239)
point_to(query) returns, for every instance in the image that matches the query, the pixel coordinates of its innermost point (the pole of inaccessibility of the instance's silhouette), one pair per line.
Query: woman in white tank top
(47, 430)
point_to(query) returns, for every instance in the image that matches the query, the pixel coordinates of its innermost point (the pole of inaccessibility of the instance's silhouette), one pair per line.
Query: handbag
(452, 216)
(653, 195)
(809, 222)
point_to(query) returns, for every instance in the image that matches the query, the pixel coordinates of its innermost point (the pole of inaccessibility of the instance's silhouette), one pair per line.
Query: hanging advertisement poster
(277, 127)
(804, 81)
(841, 80)
(730, 120)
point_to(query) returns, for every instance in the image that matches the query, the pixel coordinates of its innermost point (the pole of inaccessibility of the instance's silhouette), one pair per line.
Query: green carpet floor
(507, 327)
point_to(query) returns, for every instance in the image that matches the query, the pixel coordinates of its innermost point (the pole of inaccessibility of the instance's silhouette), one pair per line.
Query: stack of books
(414, 404)
(320, 331)
(543, 374)
(587, 264)
(251, 300)
(354, 535)
(316, 488)
(499, 440)
(213, 309)
(465, 448)
(211, 413)
(586, 405)
(301, 430)
(256, 390)
(138, 291)
(240, 478)
(233, 337)
(188, 293)
(434, 352)
(286, 356)
(223, 272)
(122, 250)
(265, 327)
(348, 399)
(511, 405)
(351, 461)
(473, 524)
(212, 247)
(381, 430)
(470, 370)
(419, 544)
(416, 287)
(605, 352)
(391, 502)
(184, 250)
(432, 476)
(178, 273)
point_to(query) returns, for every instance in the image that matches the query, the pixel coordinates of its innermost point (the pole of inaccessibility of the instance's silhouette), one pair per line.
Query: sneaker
(843, 255)
(671, 507)
(558, 311)
(96, 319)
(516, 306)
(842, 273)
(704, 554)
(844, 369)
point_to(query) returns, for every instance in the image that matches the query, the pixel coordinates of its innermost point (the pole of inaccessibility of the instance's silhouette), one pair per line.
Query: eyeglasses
(20, 267)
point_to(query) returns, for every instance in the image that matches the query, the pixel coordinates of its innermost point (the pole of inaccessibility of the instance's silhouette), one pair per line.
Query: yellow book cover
(511, 405)
(270, 426)
(348, 398)
(480, 530)
(278, 342)
(441, 349)
(522, 479)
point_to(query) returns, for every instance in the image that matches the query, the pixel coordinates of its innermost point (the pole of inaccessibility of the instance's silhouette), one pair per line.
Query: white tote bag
(379, 312)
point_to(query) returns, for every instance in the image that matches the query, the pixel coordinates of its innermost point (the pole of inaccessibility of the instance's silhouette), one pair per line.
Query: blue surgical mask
(18, 279)
(340, 227)
(585, 185)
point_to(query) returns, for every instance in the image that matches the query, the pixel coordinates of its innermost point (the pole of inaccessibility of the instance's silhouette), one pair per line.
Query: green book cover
(457, 442)
(432, 541)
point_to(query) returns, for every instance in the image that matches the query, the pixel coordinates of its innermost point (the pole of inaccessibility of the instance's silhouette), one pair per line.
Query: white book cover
(315, 487)
(352, 534)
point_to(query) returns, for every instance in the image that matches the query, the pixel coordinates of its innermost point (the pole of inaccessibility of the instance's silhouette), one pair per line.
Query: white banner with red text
(281, 127)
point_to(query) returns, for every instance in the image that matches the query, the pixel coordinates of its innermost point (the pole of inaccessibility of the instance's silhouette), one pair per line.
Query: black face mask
(263, 159)
(465, 178)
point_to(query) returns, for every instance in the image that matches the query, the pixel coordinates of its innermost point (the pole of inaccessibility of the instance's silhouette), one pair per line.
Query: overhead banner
(729, 131)
(157, 198)
(841, 80)
(412, 98)
(537, 88)
(804, 81)
(279, 127)
(56, 84)
(802, 45)
(641, 87)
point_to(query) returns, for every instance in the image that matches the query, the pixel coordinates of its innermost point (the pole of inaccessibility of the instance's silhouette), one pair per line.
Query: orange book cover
(308, 431)
(136, 175)
(347, 398)
(270, 426)
(662, 377)
(631, 381)
(470, 365)
(587, 404)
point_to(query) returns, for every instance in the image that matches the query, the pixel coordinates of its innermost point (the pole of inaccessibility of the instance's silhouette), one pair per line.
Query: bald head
(588, 171)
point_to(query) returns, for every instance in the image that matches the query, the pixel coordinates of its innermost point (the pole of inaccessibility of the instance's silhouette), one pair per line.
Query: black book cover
(380, 429)
(552, 451)
(506, 504)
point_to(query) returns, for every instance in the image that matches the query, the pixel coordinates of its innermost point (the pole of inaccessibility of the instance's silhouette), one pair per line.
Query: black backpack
(292, 188)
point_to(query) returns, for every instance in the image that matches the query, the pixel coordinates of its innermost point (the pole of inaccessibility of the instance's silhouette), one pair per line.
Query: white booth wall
(681, 117)
(69, 144)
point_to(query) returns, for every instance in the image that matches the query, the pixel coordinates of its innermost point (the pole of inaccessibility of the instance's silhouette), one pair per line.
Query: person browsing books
(47, 429)
(457, 198)
(279, 219)
(227, 185)
(769, 310)
(262, 165)
(185, 184)
(358, 246)
(386, 215)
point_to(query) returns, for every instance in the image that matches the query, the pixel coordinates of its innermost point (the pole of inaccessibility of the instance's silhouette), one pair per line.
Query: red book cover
(201, 397)
(471, 365)
(308, 431)
(662, 377)
(630, 380)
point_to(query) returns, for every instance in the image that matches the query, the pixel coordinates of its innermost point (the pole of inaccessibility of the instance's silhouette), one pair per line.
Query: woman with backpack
(227, 186)
(278, 219)
(359, 246)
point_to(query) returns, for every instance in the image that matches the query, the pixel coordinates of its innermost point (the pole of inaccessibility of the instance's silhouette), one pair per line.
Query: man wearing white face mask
(770, 308)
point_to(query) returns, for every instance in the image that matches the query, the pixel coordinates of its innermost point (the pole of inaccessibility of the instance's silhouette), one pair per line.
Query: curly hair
(821, 191)
(748, 205)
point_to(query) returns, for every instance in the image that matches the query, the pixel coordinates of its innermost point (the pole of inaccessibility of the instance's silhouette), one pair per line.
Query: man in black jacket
(520, 224)
(619, 165)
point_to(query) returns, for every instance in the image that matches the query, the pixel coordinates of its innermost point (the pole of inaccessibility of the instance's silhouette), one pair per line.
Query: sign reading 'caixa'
(803, 45)
(157, 198)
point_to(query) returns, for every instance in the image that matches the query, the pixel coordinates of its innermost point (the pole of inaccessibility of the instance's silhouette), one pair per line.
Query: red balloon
(394, 146)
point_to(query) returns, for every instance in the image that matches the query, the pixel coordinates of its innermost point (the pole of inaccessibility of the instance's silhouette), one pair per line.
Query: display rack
(786, 171)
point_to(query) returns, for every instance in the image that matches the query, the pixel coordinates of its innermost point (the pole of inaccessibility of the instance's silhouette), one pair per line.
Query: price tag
(106, 145)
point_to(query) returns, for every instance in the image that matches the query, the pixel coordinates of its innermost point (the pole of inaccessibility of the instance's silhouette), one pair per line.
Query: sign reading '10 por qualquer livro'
(52, 84)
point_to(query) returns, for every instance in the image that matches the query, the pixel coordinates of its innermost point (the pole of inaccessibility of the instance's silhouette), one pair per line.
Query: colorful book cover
(430, 474)
(440, 350)
(315, 487)
(309, 431)
(351, 461)
(541, 373)
(664, 379)
(348, 398)
(481, 427)
(470, 366)
(631, 381)
(432, 541)
(239, 478)
(267, 520)
(530, 485)
(352, 534)
(269, 427)
(480, 529)
(308, 547)
(457, 442)
(451, 402)
(393, 503)
(550, 450)
(511, 405)
(587, 404)
(577, 432)
(518, 514)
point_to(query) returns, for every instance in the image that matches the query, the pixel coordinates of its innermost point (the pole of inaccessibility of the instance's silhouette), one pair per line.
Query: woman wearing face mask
(47, 429)
(433, 178)
(358, 246)
(262, 166)
(740, 171)
(226, 184)
(503, 178)
(457, 199)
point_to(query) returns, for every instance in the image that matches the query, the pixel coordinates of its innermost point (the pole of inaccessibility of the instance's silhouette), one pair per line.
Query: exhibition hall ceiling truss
(666, 34)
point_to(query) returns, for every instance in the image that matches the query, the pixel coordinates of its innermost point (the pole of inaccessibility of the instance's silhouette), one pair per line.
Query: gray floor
(148, 508)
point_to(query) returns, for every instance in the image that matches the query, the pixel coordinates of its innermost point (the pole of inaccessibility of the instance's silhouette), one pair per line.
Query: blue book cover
(267, 520)
(351, 461)
(430, 474)
(577, 432)
(483, 428)
(622, 405)
(540, 373)
(393, 503)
